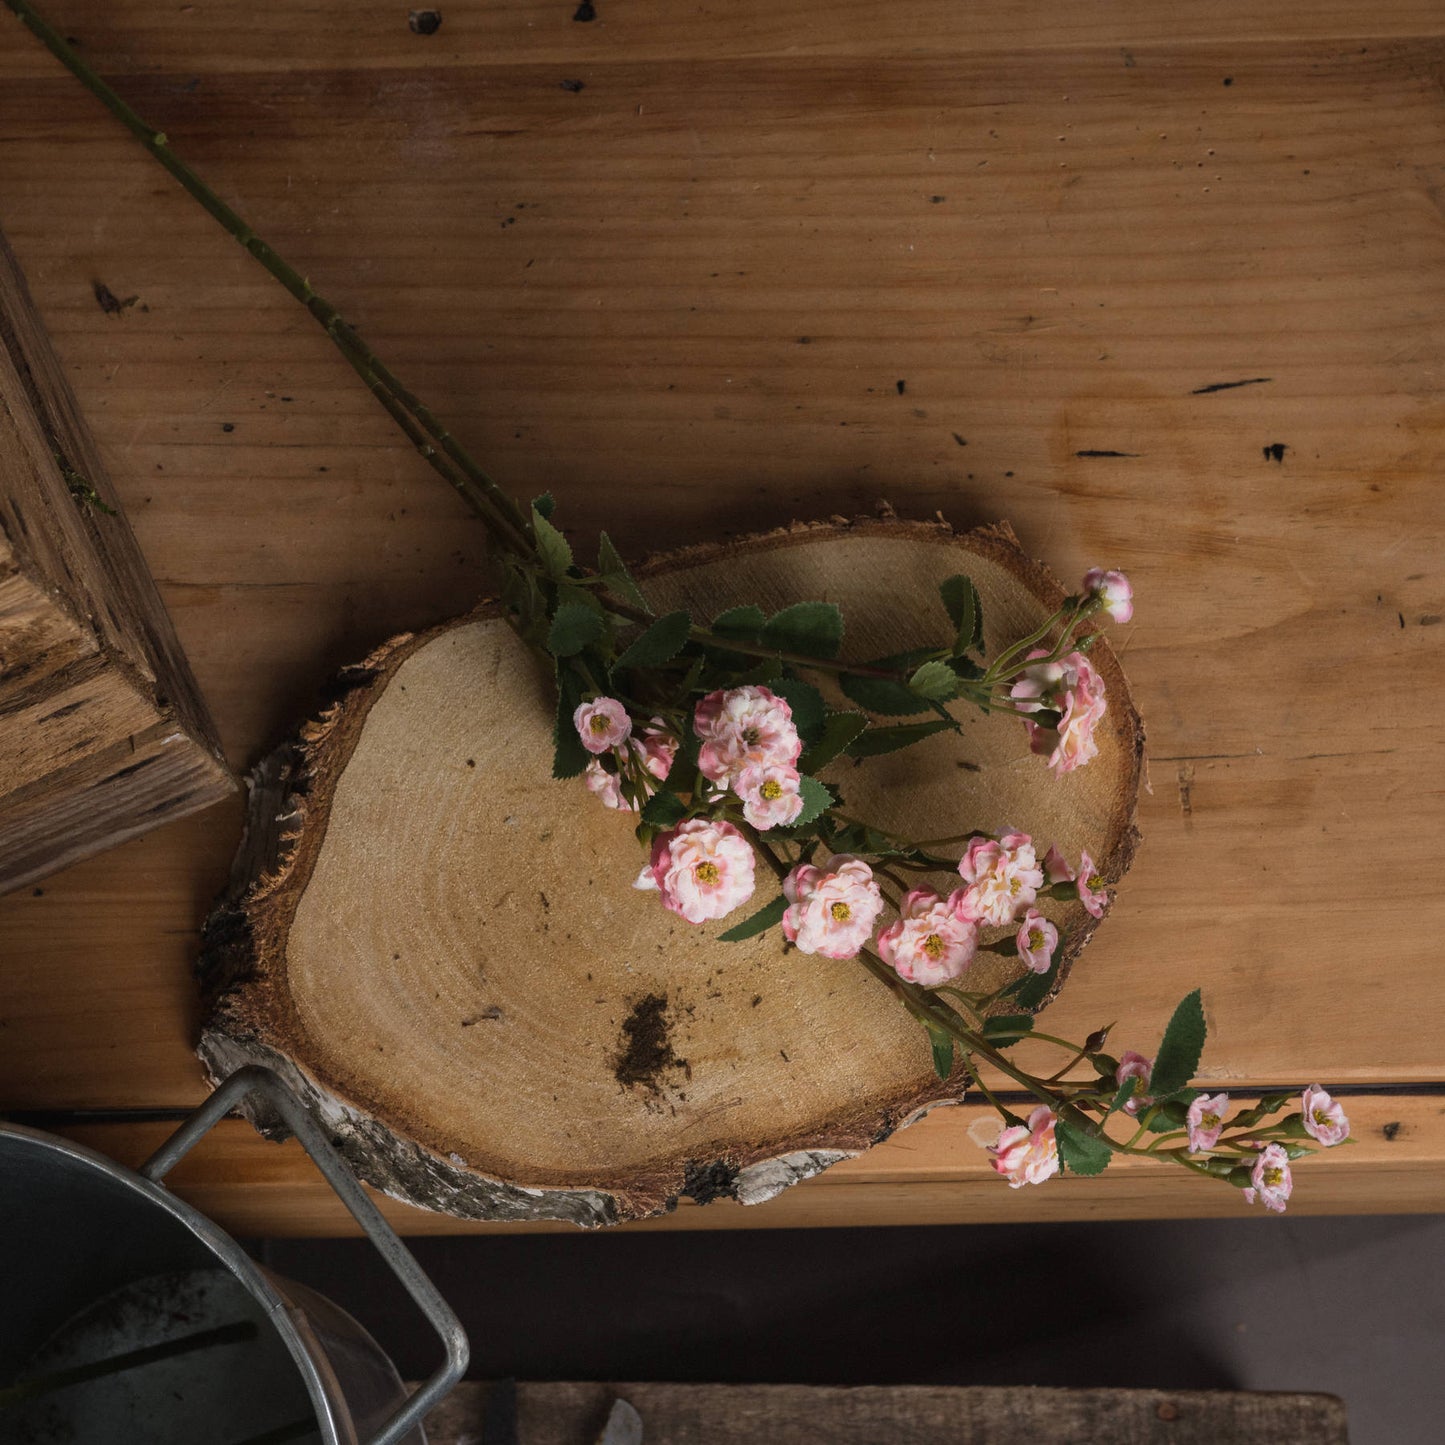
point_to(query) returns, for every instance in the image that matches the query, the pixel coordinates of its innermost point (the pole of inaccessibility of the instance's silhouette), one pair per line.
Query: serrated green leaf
(1081, 1153)
(961, 599)
(569, 757)
(934, 680)
(615, 576)
(840, 729)
(574, 626)
(942, 1043)
(743, 624)
(891, 699)
(877, 741)
(660, 643)
(663, 809)
(816, 801)
(545, 504)
(812, 628)
(1183, 1042)
(553, 549)
(1033, 988)
(806, 703)
(759, 922)
(1006, 1029)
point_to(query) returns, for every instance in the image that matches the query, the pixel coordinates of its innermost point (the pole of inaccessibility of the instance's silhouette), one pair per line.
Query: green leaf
(1033, 988)
(660, 643)
(1126, 1092)
(545, 504)
(877, 741)
(891, 699)
(1178, 1056)
(759, 922)
(1081, 1153)
(663, 809)
(615, 576)
(553, 548)
(840, 729)
(570, 757)
(961, 598)
(807, 705)
(816, 801)
(813, 628)
(1007, 1029)
(942, 1051)
(934, 680)
(743, 624)
(574, 627)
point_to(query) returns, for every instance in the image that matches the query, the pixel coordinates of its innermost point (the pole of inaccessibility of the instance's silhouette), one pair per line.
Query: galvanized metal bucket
(127, 1315)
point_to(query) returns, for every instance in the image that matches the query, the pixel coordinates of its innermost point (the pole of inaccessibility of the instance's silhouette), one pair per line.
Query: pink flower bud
(1056, 866)
(1027, 1155)
(703, 869)
(1205, 1121)
(832, 908)
(1003, 878)
(1113, 590)
(928, 944)
(1037, 940)
(1324, 1119)
(1135, 1066)
(1271, 1178)
(602, 724)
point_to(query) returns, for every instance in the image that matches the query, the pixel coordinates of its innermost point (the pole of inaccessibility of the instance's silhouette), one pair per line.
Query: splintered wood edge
(248, 1008)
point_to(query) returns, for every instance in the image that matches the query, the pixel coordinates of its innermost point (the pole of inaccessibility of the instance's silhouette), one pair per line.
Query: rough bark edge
(243, 942)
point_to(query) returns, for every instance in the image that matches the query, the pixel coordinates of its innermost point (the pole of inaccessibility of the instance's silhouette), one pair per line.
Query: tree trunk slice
(440, 948)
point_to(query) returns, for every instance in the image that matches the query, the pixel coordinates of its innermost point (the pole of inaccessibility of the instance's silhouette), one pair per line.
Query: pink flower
(1115, 594)
(1075, 691)
(602, 724)
(606, 786)
(1056, 866)
(928, 943)
(1028, 1155)
(1135, 1066)
(1091, 887)
(1205, 1121)
(1003, 877)
(741, 726)
(702, 868)
(1271, 1178)
(657, 748)
(770, 794)
(833, 908)
(1324, 1119)
(1037, 940)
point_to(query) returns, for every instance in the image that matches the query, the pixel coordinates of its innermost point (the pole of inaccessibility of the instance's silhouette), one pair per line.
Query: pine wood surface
(607, 292)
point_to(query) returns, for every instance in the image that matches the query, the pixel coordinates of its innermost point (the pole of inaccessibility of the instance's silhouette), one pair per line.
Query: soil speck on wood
(645, 1051)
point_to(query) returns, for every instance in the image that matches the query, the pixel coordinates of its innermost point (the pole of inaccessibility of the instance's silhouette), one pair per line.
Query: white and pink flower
(1271, 1179)
(1071, 688)
(1205, 1121)
(602, 724)
(1324, 1119)
(1092, 893)
(1037, 940)
(606, 786)
(657, 748)
(831, 909)
(744, 725)
(1135, 1066)
(1027, 1154)
(703, 869)
(1114, 591)
(929, 944)
(1003, 878)
(770, 794)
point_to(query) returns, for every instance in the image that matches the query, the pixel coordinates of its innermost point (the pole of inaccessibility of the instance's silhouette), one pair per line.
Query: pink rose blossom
(1056, 866)
(1113, 589)
(702, 868)
(741, 726)
(1072, 688)
(602, 724)
(1037, 940)
(1271, 1178)
(770, 794)
(1205, 1121)
(1135, 1066)
(1028, 1155)
(832, 908)
(928, 943)
(1091, 887)
(606, 786)
(657, 748)
(1324, 1118)
(1003, 878)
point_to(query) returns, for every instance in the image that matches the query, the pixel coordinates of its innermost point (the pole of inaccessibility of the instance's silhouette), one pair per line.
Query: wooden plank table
(1164, 289)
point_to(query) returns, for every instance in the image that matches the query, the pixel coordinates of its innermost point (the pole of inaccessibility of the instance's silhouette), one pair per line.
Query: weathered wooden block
(103, 733)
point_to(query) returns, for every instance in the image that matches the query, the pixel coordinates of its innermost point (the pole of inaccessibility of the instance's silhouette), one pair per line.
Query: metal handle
(254, 1080)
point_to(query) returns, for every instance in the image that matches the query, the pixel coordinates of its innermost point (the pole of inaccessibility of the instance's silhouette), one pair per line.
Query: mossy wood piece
(440, 947)
(103, 733)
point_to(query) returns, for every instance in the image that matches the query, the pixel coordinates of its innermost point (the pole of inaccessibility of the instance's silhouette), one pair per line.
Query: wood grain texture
(1065, 299)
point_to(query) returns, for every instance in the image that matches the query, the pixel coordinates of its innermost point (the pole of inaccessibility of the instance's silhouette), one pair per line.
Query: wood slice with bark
(439, 947)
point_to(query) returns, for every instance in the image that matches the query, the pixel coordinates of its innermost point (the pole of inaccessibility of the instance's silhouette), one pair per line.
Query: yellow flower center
(933, 946)
(1273, 1177)
(1209, 1121)
(1035, 937)
(1095, 882)
(1322, 1116)
(841, 912)
(750, 736)
(706, 873)
(771, 789)
(599, 723)
(1013, 885)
